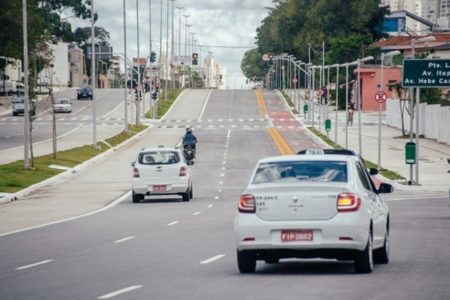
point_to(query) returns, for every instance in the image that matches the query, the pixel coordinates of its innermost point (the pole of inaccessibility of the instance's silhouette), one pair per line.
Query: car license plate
(159, 188)
(296, 235)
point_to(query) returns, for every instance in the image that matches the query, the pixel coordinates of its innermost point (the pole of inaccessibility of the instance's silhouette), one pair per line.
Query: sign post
(419, 73)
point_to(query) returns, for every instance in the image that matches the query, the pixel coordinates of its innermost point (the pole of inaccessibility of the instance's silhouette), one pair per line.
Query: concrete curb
(6, 198)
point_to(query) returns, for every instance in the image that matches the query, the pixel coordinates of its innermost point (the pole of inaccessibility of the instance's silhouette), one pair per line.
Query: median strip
(282, 145)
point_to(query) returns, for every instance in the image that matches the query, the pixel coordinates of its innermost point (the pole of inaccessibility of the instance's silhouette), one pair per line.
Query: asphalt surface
(72, 129)
(168, 249)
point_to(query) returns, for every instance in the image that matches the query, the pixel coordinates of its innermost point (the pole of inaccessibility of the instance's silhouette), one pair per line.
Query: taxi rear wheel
(137, 197)
(381, 256)
(364, 259)
(246, 261)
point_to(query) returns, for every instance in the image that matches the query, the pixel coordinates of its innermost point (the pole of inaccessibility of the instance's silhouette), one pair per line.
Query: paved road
(74, 129)
(168, 249)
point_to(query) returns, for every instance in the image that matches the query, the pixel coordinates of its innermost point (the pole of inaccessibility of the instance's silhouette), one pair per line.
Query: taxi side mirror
(133, 163)
(385, 188)
(373, 171)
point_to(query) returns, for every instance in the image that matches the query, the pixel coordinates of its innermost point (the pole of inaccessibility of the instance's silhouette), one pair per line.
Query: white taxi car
(312, 206)
(62, 105)
(160, 171)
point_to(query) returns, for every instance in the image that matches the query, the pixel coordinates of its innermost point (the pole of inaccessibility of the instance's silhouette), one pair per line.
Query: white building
(214, 73)
(59, 75)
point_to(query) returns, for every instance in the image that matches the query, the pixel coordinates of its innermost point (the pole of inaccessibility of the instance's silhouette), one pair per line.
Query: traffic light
(136, 95)
(195, 58)
(153, 57)
(154, 95)
(270, 58)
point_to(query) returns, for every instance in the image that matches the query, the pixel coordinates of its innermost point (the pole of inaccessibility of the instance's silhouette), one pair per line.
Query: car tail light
(247, 203)
(348, 202)
(183, 171)
(135, 172)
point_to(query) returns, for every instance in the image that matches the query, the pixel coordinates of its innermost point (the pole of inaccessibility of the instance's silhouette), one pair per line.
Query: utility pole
(166, 71)
(94, 116)
(138, 86)
(125, 65)
(26, 147)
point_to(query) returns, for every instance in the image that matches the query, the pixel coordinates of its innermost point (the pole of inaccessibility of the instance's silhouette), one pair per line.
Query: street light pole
(125, 100)
(26, 146)
(172, 48)
(166, 71)
(138, 86)
(346, 105)
(94, 116)
(337, 100)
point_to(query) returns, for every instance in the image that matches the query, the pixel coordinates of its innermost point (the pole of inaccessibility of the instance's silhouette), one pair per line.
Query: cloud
(229, 23)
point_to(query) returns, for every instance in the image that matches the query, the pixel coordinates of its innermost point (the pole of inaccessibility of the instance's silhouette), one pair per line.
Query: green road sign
(410, 153)
(426, 73)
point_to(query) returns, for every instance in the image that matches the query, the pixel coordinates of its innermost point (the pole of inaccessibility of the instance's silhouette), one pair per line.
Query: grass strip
(163, 106)
(14, 177)
(385, 172)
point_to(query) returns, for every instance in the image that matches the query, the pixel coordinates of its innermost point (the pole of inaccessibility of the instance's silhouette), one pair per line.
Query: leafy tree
(252, 64)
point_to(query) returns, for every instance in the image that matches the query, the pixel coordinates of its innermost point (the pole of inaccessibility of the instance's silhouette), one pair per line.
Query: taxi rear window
(291, 171)
(159, 158)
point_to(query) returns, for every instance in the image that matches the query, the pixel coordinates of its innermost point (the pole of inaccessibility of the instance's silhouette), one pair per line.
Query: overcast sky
(229, 23)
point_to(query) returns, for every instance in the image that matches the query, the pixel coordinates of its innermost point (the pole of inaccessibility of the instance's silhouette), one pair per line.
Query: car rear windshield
(291, 171)
(159, 158)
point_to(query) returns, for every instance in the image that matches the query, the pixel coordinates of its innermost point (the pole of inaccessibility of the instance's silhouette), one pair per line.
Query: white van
(9, 87)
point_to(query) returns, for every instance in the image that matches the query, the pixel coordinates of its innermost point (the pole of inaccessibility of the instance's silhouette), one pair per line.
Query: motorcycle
(189, 154)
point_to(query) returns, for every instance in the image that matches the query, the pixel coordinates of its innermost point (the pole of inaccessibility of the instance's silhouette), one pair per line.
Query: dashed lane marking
(173, 223)
(125, 239)
(120, 292)
(34, 264)
(212, 259)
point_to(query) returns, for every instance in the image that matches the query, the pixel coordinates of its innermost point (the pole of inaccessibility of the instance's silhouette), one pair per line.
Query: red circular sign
(294, 80)
(380, 97)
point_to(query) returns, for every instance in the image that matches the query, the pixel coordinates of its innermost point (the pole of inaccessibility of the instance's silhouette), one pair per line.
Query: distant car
(312, 206)
(18, 107)
(85, 92)
(62, 105)
(333, 151)
(160, 171)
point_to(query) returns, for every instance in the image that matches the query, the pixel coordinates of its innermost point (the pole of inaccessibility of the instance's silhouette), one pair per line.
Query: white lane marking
(210, 260)
(216, 197)
(34, 265)
(220, 191)
(196, 213)
(224, 162)
(119, 292)
(228, 134)
(221, 182)
(416, 198)
(223, 168)
(125, 239)
(209, 206)
(173, 223)
(113, 110)
(204, 105)
(222, 174)
(112, 204)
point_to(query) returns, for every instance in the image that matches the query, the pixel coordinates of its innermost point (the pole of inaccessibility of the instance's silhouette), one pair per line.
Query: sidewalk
(433, 166)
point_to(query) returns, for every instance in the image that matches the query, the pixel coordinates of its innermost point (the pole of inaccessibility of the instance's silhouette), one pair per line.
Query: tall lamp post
(26, 147)
(94, 79)
(125, 100)
(381, 88)
(358, 63)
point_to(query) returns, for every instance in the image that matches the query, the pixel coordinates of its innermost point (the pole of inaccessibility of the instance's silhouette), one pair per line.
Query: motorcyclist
(189, 139)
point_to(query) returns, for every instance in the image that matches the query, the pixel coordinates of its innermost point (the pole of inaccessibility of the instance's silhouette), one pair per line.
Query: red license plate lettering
(296, 235)
(159, 188)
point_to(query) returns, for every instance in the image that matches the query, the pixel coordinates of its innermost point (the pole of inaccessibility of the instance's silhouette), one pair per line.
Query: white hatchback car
(160, 171)
(62, 105)
(312, 206)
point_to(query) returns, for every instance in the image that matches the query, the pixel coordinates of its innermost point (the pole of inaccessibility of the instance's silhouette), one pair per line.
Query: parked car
(160, 171)
(18, 107)
(312, 206)
(85, 92)
(62, 105)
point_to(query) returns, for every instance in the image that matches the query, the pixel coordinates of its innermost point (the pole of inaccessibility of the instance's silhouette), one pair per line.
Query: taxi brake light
(347, 202)
(247, 203)
(135, 172)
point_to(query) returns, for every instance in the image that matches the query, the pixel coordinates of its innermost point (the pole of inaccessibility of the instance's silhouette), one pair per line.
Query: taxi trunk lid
(297, 201)
(161, 173)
